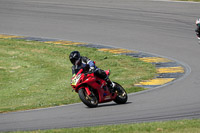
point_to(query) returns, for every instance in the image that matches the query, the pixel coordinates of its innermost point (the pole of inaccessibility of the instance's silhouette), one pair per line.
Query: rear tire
(90, 101)
(122, 96)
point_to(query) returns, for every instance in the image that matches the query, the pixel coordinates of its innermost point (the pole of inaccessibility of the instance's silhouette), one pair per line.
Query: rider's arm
(92, 65)
(89, 62)
(73, 70)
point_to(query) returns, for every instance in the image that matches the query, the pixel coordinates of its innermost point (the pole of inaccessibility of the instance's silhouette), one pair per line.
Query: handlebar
(88, 73)
(82, 69)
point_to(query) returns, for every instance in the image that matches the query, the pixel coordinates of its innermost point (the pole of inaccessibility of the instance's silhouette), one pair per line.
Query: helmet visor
(73, 60)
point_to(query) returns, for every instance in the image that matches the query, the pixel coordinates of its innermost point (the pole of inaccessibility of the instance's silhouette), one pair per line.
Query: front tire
(90, 101)
(122, 96)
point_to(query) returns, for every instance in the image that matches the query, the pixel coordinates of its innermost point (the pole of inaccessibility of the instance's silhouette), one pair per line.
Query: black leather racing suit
(86, 63)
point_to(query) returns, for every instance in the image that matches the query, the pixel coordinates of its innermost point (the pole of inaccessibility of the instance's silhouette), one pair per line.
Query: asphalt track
(163, 28)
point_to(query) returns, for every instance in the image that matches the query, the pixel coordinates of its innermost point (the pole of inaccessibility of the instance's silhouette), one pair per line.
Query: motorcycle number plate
(75, 79)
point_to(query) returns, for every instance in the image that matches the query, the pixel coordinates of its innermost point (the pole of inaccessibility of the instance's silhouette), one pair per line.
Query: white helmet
(198, 21)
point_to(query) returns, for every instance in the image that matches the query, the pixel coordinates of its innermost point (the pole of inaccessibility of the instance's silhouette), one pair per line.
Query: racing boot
(110, 85)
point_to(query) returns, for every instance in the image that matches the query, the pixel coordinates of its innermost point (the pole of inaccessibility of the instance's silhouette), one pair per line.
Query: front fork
(88, 91)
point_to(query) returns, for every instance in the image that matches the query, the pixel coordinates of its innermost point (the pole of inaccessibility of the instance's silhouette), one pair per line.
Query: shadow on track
(109, 104)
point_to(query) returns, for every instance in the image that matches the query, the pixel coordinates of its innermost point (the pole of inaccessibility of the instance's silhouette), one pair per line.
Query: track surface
(164, 28)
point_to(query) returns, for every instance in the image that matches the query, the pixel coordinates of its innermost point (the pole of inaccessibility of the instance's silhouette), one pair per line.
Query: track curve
(163, 28)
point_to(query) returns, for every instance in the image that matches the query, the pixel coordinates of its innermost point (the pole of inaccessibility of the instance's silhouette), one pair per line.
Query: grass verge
(181, 126)
(34, 74)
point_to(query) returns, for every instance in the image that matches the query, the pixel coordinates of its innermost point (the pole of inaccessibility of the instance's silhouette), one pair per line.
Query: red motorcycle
(93, 90)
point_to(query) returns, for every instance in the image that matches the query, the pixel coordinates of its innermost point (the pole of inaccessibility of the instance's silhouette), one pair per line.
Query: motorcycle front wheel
(122, 96)
(91, 101)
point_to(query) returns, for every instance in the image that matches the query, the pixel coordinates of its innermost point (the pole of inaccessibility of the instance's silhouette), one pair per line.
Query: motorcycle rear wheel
(90, 101)
(122, 96)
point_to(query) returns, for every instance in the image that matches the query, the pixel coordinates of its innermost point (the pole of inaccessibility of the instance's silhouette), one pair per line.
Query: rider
(79, 62)
(198, 28)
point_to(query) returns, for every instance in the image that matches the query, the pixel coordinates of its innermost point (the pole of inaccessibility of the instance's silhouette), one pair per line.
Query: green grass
(36, 75)
(181, 126)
